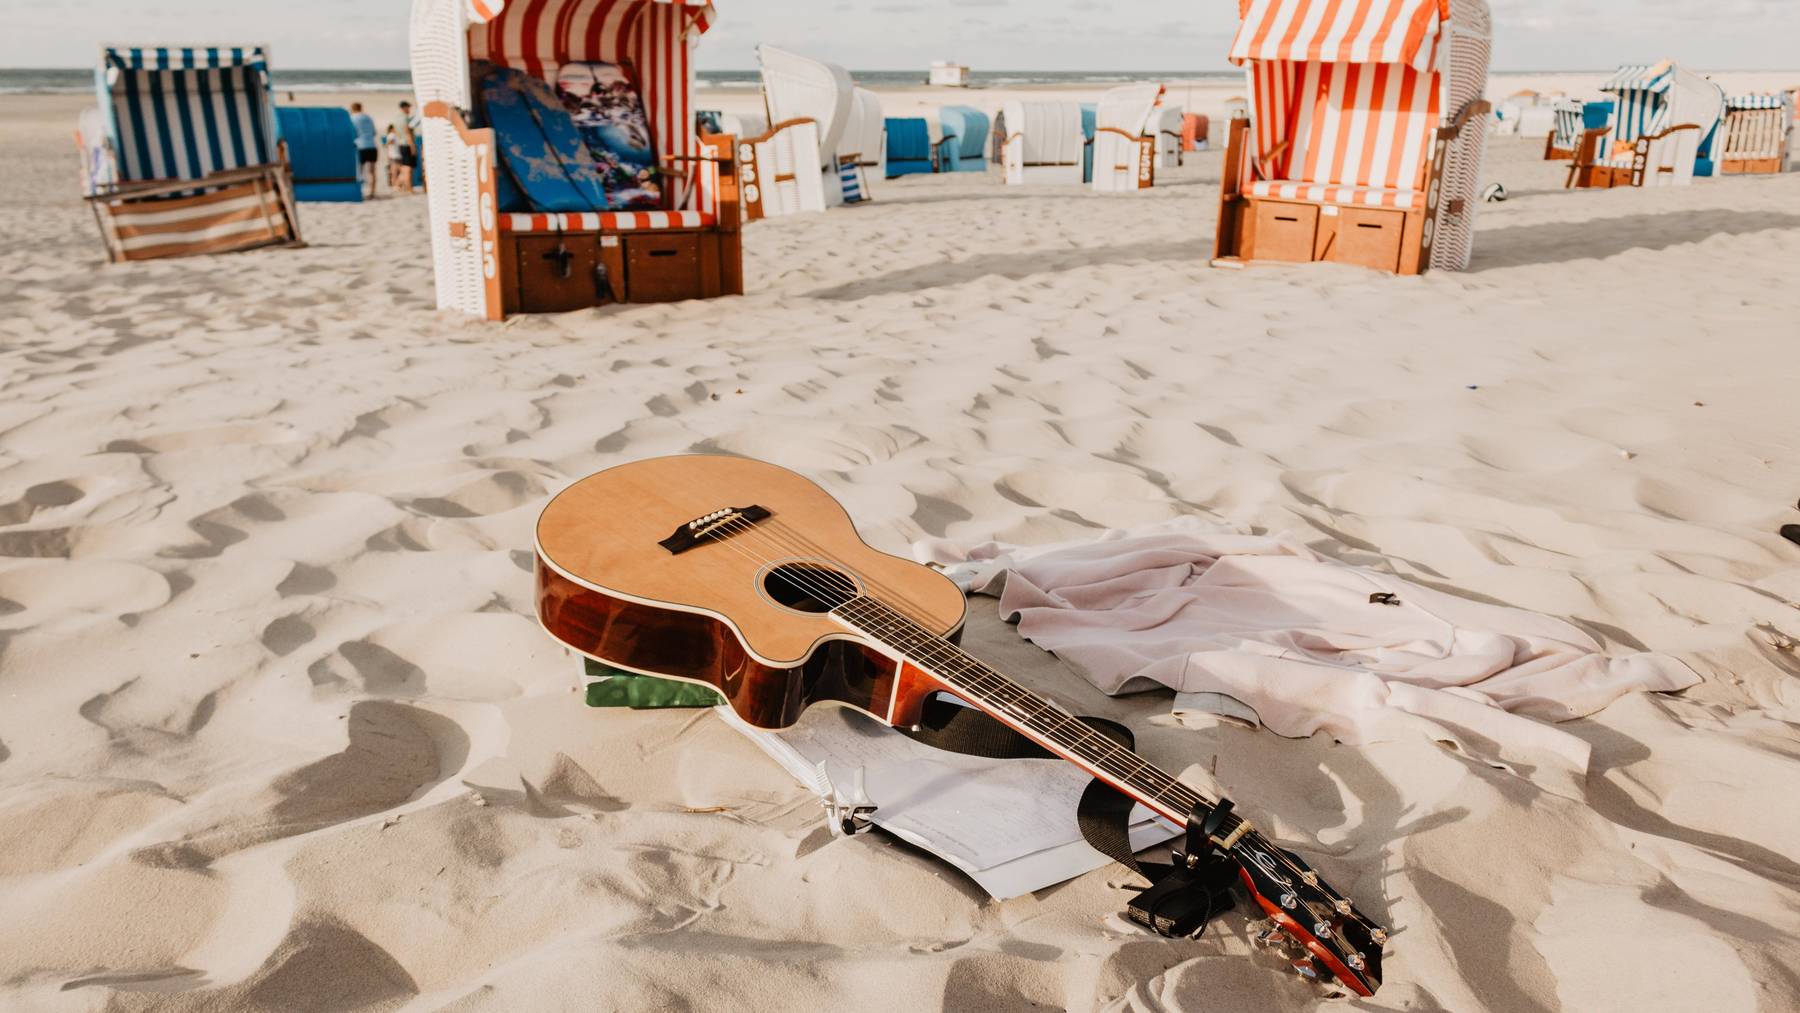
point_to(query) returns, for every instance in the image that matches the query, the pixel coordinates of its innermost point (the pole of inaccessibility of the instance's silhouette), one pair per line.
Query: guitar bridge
(719, 524)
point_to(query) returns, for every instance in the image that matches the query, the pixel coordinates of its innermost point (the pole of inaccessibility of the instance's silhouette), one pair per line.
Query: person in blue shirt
(367, 151)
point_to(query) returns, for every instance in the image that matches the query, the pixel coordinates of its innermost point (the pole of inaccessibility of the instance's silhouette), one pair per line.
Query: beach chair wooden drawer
(559, 273)
(665, 267)
(1285, 231)
(1369, 237)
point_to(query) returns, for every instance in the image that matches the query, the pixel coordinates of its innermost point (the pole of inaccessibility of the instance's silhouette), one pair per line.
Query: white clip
(845, 816)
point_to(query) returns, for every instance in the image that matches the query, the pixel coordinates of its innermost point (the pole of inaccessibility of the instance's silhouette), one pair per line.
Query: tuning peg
(1343, 906)
(1379, 936)
(1288, 900)
(1321, 930)
(1354, 960)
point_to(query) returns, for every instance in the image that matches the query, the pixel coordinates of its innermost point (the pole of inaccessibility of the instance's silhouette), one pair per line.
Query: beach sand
(278, 729)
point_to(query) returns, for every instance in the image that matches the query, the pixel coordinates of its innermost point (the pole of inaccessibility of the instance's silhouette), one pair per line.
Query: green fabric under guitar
(617, 688)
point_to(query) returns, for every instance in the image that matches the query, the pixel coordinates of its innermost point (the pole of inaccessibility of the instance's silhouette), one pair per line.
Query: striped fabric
(652, 37)
(1402, 32)
(233, 217)
(850, 181)
(1642, 92)
(184, 113)
(1363, 126)
(1569, 122)
(1655, 77)
(1756, 101)
(1367, 196)
(612, 221)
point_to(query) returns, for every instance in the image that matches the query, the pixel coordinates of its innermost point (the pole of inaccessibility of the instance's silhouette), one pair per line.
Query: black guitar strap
(1182, 897)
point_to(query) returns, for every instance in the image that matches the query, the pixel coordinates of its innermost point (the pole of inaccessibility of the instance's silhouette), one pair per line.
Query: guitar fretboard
(1053, 727)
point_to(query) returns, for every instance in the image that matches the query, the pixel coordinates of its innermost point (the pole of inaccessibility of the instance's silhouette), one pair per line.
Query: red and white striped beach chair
(183, 155)
(1365, 135)
(489, 263)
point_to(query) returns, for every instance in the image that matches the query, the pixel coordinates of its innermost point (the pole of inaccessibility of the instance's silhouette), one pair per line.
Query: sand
(277, 729)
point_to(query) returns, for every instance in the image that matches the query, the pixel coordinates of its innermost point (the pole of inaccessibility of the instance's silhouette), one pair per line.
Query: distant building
(954, 75)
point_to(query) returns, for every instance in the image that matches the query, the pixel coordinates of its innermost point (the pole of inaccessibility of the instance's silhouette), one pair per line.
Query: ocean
(14, 81)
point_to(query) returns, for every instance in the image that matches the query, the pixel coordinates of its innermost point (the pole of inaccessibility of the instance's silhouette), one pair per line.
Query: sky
(1161, 35)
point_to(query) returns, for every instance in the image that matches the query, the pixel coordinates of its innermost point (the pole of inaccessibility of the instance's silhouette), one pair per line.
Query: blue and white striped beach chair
(191, 155)
(1566, 133)
(1756, 134)
(1665, 116)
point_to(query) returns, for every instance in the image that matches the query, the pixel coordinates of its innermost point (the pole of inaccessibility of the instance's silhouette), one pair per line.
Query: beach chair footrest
(562, 271)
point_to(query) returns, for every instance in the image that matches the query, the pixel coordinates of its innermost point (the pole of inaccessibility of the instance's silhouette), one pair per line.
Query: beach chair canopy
(174, 113)
(1346, 96)
(653, 39)
(321, 148)
(1049, 132)
(1653, 97)
(1570, 118)
(969, 126)
(862, 135)
(799, 87)
(1736, 102)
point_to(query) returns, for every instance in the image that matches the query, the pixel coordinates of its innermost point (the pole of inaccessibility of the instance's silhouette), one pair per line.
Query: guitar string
(946, 654)
(798, 545)
(1073, 735)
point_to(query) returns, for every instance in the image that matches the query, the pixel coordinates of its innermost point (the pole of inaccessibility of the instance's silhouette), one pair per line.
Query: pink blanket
(1307, 643)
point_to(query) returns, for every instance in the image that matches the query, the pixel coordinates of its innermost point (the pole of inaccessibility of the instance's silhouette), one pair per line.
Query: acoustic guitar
(748, 578)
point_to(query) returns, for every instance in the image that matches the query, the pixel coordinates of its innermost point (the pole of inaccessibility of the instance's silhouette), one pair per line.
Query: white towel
(1296, 637)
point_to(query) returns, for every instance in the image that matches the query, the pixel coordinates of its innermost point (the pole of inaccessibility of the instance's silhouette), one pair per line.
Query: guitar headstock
(1338, 939)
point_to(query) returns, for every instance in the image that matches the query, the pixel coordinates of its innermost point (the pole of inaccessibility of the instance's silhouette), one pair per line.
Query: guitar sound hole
(808, 587)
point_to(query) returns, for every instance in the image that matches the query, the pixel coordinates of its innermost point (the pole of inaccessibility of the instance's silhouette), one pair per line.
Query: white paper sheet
(1009, 824)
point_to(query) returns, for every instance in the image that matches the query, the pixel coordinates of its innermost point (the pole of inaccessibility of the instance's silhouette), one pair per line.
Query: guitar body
(727, 614)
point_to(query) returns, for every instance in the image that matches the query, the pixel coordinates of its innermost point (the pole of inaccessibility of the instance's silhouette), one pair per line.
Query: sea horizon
(80, 80)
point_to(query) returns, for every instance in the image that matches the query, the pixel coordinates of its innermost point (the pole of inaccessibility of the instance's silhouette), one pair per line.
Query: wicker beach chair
(1125, 124)
(184, 156)
(1040, 142)
(1756, 135)
(798, 90)
(1665, 116)
(491, 261)
(1365, 137)
(962, 146)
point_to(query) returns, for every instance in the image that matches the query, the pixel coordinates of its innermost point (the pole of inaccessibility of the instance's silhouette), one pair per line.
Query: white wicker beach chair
(798, 89)
(1125, 138)
(1042, 142)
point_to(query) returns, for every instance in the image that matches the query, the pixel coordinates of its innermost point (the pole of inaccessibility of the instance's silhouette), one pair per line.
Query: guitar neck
(1039, 719)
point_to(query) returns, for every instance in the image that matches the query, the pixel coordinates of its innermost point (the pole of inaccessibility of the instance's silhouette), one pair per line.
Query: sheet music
(1009, 824)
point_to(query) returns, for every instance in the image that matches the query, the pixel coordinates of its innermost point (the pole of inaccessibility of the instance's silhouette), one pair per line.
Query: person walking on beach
(399, 173)
(409, 142)
(368, 153)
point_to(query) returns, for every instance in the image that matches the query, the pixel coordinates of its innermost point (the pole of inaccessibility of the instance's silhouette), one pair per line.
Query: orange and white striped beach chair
(183, 155)
(489, 263)
(1365, 135)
